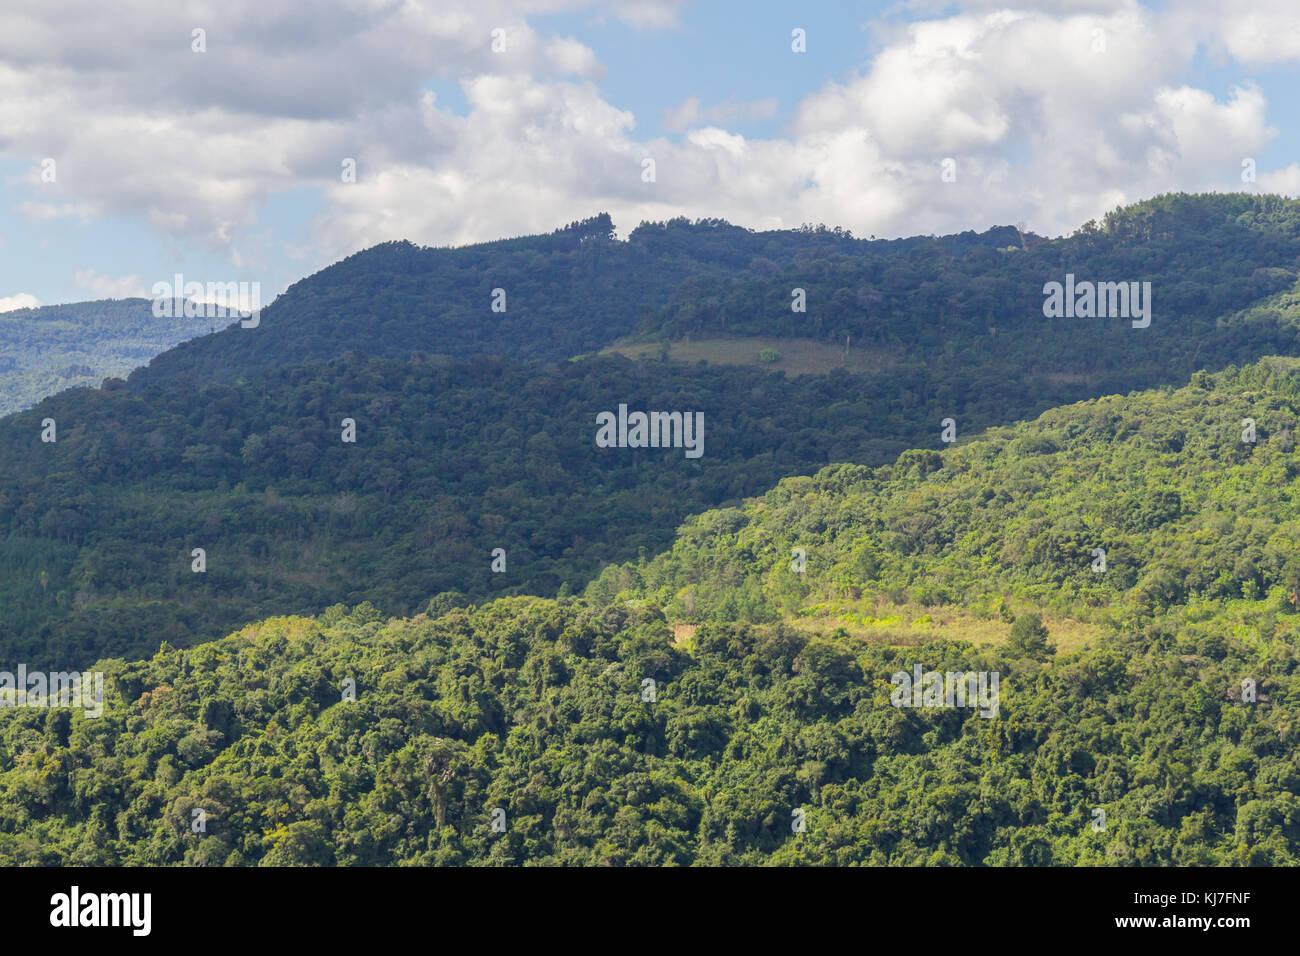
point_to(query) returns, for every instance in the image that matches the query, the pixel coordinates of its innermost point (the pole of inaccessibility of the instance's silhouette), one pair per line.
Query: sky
(247, 141)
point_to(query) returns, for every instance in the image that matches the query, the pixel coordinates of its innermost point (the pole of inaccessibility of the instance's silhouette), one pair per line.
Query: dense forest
(590, 730)
(971, 297)
(450, 462)
(562, 295)
(565, 294)
(46, 350)
(455, 458)
(676, 660)
(1222, 271)
(1190, 494)
(533, 714)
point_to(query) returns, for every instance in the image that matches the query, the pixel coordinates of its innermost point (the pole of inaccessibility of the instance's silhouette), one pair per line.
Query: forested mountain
(561, 295)
(919, 299)
(451, 460)
(588, 730)
(455, 458)
(975, 295)
(46, 350)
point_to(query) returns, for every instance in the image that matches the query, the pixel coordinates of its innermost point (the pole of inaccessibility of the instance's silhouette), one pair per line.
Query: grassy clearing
(910, 625)
(798, 356)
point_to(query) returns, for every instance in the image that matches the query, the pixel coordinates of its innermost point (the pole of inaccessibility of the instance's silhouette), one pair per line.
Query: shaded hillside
(451, 461)
(972, 299)
(565, 294)
(457, 458)
(1206, 258)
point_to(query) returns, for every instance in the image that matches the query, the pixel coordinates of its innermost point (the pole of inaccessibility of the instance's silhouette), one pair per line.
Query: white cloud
(1285, 182)
(689, 113)
(108, 287)
(20, 301)
(1048, 120)
(279, 99)
(1258, 33)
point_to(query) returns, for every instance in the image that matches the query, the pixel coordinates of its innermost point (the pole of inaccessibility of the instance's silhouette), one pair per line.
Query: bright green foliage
(539, 708)
(1161, 481)
(1029, 637)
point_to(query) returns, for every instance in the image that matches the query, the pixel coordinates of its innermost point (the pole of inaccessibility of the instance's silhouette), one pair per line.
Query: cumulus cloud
(1259, 33)
(108, 287)
(193, 143)
(690, 113)
(22, 300)
(1050, 119)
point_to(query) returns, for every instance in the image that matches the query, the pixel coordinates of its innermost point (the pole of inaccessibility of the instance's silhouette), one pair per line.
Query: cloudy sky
(132, 147)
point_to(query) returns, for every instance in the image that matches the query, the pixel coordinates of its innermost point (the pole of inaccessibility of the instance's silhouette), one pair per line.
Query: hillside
(1161, 481)
(538, 709)
(564, 294)
(589, 735)
(451, 461)
(1222, 271)
(455, 458)
(46, 350)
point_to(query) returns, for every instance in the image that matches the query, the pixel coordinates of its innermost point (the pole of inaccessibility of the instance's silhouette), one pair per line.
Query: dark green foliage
(1222, 269)
(567, 293)
(452, 460)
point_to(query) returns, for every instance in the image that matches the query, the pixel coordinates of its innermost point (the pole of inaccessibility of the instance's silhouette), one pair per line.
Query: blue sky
(224, 164)
(715, 55)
